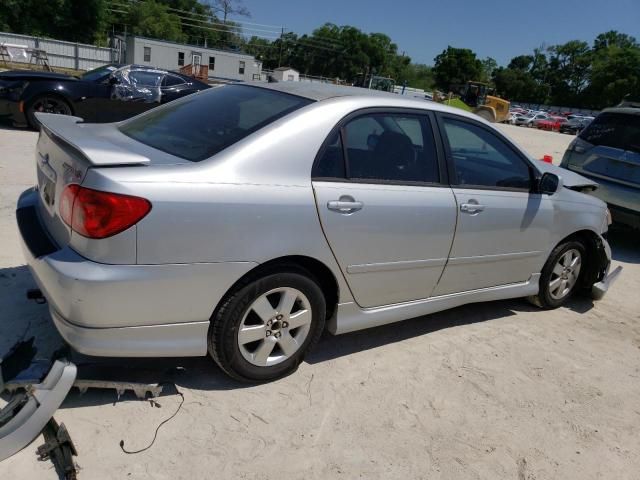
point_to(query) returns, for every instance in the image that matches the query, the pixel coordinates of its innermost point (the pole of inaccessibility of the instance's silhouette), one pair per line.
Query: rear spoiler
(92, 144)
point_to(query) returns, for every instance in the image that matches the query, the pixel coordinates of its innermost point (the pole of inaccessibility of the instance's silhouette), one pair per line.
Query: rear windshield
(199, 126)
(616, 130)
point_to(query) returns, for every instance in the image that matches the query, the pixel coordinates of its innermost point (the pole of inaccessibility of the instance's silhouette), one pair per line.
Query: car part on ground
(25, 419)
(37, 388)
(59, 448)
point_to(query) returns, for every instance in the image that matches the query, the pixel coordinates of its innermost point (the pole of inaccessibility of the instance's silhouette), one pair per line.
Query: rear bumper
(124, 310)
(173, 340)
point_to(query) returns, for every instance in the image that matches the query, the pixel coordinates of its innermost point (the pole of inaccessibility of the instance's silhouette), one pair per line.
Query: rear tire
(561, 275)
(264, 329)
(46, 104)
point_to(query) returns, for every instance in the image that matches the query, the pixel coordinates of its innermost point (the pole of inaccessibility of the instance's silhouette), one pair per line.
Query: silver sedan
(245, 220)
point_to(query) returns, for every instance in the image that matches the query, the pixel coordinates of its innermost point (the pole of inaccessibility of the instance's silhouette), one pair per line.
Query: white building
(222, 65)
(286, 74)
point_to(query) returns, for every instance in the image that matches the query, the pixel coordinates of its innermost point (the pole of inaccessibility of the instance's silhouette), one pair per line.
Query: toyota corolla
(244, 220)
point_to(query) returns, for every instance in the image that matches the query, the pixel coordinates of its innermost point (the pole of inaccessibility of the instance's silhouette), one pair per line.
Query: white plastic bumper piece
(42, 401)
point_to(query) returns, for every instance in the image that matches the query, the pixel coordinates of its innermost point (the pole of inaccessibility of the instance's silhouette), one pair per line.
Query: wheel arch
(596, 261)
(320, 272)
(45, 93)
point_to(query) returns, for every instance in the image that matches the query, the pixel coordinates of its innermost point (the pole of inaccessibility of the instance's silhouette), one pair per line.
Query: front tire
(561, 275)
(46, 104)
(264, 329)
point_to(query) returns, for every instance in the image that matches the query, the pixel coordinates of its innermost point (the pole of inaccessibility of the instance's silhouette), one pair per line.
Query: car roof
(624, 110)
(323, 91)
(367, 98)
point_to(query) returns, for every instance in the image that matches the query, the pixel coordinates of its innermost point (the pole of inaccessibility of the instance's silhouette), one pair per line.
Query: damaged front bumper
(603, 278)
(599, 289)
(27, 413)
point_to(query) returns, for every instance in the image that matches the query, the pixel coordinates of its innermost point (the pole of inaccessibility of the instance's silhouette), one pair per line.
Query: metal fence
(62, 54)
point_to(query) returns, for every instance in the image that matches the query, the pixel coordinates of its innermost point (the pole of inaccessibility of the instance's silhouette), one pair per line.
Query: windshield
(98, 73)
(199, 126)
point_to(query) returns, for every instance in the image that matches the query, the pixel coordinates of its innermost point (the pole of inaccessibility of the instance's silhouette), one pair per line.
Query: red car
(551, 124)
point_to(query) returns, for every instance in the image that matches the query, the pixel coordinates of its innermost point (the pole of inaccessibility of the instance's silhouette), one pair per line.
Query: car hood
(570, 179)
(33, 75)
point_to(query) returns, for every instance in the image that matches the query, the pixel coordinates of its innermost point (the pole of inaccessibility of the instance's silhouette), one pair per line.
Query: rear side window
(615, 130)
(172, 81)
(146, 78)
(197, 127)
(381, 147)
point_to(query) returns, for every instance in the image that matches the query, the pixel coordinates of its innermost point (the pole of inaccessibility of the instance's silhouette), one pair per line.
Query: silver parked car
(243, 220)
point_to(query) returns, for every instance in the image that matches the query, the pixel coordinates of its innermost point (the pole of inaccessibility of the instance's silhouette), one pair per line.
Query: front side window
(147, 54)
(187, 129)
(180, 59)
(482, 159)
(390, 148)
(241, 68)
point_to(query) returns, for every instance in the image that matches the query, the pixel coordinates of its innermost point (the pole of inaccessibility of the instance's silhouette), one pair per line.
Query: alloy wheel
(565, 274)
(51, 105)
(274, 327)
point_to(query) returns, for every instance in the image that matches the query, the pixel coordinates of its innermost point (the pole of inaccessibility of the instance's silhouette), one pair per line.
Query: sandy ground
(488, 391)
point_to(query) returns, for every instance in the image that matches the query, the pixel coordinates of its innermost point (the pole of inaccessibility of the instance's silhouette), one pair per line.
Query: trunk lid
(66, 149)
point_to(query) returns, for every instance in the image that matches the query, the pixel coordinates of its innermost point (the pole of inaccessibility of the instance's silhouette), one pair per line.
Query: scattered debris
(25, 418)
(155, 435)
(59, 447)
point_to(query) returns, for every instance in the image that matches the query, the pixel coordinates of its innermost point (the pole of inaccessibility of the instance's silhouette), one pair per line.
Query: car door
(386, 212)
(132, 91)
(503, 228)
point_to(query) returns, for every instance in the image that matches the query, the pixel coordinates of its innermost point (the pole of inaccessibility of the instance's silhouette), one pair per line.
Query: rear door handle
(345, 204)
(471, 208)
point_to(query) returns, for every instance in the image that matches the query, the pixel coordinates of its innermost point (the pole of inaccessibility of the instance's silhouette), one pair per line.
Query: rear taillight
(97, 214)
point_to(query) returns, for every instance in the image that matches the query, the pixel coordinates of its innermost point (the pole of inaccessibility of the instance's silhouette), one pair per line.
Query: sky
(501, 29)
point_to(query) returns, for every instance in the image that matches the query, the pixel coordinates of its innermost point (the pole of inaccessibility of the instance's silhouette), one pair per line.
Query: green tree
(615, 71)
(149, 18)
(455, 66)
(489, 65)
(568, 73)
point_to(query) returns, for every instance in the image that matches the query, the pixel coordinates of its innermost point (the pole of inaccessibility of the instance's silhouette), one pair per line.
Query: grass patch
(456, 102)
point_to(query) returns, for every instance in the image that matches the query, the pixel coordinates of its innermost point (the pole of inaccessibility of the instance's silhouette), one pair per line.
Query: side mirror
(549, 183)
(113, 81)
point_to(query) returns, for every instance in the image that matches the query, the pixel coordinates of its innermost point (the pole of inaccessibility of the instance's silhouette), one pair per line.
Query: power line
(275, 28)
(309, 42)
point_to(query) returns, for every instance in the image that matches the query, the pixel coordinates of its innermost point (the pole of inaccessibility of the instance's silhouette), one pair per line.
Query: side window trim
(448, 157)
(340, 127)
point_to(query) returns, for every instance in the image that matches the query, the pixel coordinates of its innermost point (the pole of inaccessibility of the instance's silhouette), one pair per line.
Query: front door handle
(471, 208)
(346, 204)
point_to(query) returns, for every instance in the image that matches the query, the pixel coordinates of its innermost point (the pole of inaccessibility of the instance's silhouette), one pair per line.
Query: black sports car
(106, 94)
(575, 125)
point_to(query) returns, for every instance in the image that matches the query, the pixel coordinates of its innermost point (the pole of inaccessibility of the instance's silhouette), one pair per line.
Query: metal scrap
(59, 447)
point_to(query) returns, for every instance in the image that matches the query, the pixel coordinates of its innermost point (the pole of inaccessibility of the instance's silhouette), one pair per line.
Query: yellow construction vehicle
(481, 100)
(476, 97)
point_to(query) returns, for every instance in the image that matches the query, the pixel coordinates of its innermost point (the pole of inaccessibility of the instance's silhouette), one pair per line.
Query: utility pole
(281, 42)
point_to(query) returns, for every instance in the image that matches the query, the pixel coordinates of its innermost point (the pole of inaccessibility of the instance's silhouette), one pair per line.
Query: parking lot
(491, 391)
